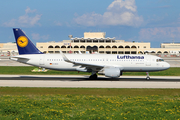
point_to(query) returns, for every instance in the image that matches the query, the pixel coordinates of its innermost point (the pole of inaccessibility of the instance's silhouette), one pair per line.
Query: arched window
(140, 52)
(76, 46)
(133, 46)
(114, 46)
(50, 46)
(82, 46)
(108, 46)
(165, 51)
(88, 48)
(127, 46)
(120, 46)
(101, 46)
(146, 52)
(95, 48)
(63, 46)
(69, 47)
(159, 52)
(57, 46)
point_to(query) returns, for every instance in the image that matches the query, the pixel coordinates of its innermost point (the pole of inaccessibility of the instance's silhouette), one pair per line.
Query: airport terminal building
(96, 42)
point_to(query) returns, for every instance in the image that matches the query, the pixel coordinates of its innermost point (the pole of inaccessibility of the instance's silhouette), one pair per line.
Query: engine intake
(112, 72)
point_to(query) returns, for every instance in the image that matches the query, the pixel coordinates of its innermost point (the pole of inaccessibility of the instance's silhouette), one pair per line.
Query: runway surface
(70, 81)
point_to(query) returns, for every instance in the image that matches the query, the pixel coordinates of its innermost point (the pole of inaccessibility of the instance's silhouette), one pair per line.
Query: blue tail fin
(24, 45)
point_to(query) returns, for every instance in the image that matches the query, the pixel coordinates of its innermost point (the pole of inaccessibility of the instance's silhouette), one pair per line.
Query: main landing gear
(93, 76)
(147, 78)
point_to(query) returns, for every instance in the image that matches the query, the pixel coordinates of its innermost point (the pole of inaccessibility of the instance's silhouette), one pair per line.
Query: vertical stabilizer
(24, 45)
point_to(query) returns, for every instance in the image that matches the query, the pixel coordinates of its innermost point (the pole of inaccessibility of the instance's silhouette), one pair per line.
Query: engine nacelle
(112, 72)
(82, 69)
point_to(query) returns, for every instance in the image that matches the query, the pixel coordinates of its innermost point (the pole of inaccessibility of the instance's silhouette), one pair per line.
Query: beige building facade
(170, 45)
(7, 49)
(97, 42)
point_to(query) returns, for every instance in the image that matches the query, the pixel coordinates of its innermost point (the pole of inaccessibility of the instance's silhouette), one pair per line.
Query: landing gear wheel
(93, 77)
(147, 78)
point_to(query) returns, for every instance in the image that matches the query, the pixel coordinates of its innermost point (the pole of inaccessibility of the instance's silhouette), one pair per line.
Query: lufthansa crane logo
(22, 41)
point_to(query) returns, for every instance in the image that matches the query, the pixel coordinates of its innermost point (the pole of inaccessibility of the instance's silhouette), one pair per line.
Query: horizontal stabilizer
(19, 57)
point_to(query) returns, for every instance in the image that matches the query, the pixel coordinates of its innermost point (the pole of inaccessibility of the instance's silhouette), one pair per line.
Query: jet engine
(112, 72)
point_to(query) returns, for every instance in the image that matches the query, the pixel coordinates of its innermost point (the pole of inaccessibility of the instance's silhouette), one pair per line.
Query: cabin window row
(92, 60)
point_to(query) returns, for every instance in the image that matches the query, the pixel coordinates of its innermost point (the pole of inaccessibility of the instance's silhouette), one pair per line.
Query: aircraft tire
(147, 78)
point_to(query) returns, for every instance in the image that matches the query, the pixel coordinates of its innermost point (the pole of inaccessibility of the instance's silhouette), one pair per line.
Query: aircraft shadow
(33, 78)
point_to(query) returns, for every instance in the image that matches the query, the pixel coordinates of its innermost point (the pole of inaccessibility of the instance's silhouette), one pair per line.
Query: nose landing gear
(147, 78)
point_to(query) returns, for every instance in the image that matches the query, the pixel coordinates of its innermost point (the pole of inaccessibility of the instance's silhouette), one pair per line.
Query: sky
(154, 21)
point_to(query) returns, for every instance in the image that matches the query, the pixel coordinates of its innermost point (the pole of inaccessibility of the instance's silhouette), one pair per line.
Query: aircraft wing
(95, 67)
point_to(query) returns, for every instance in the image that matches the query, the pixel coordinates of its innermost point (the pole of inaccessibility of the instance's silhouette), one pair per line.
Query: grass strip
(87, 91)
(88, 103)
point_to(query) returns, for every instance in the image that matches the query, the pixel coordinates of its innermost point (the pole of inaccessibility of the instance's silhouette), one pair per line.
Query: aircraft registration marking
(53, 63)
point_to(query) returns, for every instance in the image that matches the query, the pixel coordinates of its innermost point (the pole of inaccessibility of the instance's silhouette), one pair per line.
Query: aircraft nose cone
(167, 65)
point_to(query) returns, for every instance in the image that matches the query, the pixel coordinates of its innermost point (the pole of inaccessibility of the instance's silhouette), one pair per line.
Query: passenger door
(148, 60)
(41, 60)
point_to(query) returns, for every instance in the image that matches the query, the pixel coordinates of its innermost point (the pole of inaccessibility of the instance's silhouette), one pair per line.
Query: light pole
(70, 36)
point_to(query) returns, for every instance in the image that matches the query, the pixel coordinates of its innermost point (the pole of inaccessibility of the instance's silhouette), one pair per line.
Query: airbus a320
(110, 65)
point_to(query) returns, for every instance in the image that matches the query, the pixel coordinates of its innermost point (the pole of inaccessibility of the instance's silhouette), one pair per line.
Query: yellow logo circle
(22, 41)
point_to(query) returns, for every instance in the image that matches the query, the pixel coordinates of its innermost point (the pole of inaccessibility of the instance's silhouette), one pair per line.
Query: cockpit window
(159, 60)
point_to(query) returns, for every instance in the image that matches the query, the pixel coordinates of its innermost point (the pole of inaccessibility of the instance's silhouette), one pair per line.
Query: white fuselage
(125, 62)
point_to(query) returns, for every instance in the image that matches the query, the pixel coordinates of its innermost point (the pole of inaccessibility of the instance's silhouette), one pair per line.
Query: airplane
(110, 65)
